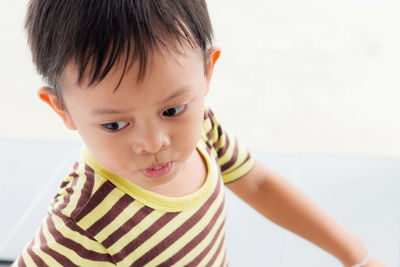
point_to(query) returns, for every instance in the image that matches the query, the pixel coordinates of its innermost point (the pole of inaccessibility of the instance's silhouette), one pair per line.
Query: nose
(150, 139)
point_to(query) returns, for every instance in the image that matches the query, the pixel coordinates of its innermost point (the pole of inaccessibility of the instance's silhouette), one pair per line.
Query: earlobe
(48, 96)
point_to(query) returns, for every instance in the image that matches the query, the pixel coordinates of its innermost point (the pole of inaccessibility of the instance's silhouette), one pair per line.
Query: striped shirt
(100, 219)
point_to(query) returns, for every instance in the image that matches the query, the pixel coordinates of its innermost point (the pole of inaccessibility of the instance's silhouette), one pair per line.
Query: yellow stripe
(27, 259)
(220, 257)
(122, 218)
(203, 244)
(189, 235)
(62, 193)
(88, 243)
(135, 231)
(211, 252)
(44, 256)
(245, 168)
(158, 236)
(229, 152)
(101, 209)
(77, 191)
(69, 253)
(215, 135)
(241, 157)
(222, 141)
(225, 263)
(207, 126)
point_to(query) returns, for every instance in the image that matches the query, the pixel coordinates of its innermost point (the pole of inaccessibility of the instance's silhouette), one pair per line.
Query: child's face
(145, 132)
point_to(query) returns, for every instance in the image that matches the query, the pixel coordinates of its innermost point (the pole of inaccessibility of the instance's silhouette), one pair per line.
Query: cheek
(187, 134)
(106, 150)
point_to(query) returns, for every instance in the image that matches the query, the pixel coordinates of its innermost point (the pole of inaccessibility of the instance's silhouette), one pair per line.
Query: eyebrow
(105, 111)
(181, 91)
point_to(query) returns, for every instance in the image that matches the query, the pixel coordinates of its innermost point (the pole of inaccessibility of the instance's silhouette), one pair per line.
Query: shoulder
(61, 239)
(233, 157)
(78, 190)
(211, 127)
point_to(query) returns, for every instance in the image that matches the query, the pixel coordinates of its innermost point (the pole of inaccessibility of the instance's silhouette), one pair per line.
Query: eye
(114, 126)
(173, 111)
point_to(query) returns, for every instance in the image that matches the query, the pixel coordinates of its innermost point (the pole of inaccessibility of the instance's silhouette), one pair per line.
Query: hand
(374, 262)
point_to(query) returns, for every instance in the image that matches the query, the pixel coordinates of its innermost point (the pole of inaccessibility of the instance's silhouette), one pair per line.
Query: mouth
(158, 170)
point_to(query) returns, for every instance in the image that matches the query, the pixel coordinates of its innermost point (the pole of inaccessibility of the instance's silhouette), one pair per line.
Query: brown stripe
(127, 226)
(65, 183)
(224, 262)
(208, 114)
(21, 262)
(208, 147)
(232, 160)
(209, 134)
(73, 174)
(219, 133)
(196, 261)
(179, 232)
(75, 246)
(222, 150)
(64, 261)
(217, 252)
(115, 210)
(92, 202)
(86, 192)
(246, 160)
(139, 240)
(210, 129)
(72, 225)
(196, 240)
(35, 258)
(66, 197)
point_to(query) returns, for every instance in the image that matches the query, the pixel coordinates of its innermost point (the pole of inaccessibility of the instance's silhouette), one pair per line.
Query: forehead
(175, 60)
(167, 73)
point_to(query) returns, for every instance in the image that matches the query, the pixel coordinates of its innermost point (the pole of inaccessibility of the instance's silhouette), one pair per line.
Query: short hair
(94, 34)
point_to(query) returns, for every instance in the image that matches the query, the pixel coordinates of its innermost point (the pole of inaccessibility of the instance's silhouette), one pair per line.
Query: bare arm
(284, 204)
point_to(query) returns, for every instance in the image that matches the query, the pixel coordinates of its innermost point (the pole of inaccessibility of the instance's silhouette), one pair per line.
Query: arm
(284, 204)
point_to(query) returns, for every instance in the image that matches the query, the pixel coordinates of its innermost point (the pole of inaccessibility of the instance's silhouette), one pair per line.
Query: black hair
(94, 34)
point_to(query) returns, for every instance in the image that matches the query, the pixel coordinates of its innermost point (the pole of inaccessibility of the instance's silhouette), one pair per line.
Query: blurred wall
(295, 76)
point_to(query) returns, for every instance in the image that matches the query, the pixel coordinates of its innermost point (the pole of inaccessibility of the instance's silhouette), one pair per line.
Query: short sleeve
(60, 242)
(233, 157)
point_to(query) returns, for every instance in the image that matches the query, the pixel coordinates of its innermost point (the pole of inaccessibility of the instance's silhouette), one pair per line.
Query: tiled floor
(362, 193)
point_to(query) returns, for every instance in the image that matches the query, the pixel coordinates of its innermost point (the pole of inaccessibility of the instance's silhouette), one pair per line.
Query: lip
(158, 170)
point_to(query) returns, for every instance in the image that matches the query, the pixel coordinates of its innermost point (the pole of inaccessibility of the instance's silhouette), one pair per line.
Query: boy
(131, 77)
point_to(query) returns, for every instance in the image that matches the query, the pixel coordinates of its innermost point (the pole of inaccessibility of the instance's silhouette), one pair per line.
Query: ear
(212, 56)
(48, 96)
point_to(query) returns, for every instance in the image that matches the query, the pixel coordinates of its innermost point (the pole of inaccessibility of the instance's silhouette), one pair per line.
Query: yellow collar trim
(154, 200)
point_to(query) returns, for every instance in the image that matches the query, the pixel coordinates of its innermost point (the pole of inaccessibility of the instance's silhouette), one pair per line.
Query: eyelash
(104, 125)
(181, 108)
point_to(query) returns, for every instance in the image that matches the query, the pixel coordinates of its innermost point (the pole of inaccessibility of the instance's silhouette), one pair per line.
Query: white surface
(306, 76)
(30, 175)
(362, 193)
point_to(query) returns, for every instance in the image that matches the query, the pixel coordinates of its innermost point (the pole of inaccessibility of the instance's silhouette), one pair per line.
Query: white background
(305, 76)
